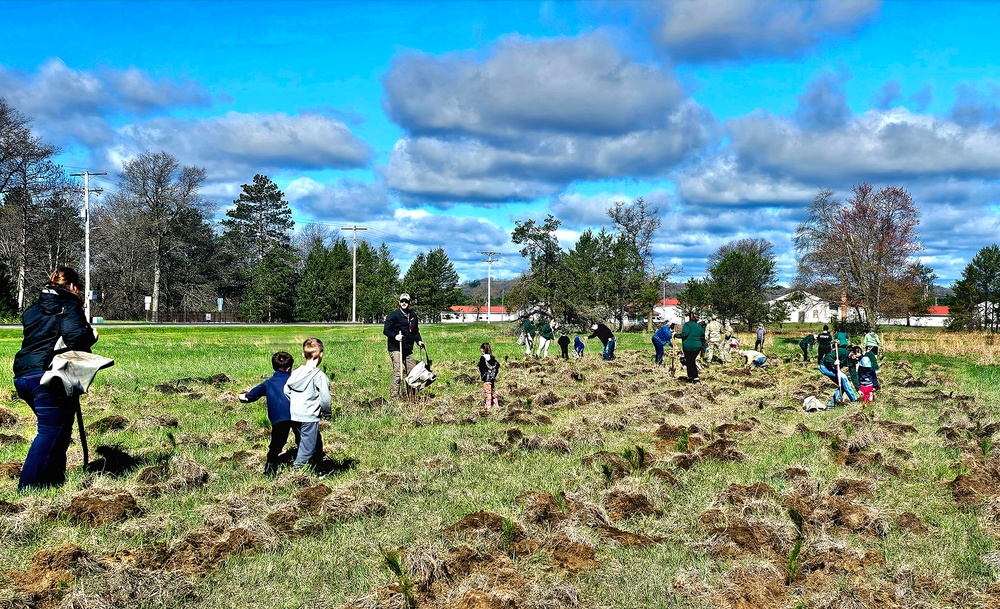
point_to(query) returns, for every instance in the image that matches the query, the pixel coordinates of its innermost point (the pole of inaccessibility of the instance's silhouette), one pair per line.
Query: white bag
(521, 339)
(420, 376)
(75, 370)
(812, 404)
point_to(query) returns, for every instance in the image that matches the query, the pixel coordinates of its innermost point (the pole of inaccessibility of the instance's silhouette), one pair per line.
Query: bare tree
(155, 192)
(860, 249)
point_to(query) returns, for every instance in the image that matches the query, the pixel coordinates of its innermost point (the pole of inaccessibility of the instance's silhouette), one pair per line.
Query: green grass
(432, 468)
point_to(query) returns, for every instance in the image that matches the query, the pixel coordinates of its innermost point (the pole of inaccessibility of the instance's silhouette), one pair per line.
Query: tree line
(154, 236)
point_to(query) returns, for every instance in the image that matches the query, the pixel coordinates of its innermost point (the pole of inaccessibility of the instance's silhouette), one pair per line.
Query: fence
(187, 317)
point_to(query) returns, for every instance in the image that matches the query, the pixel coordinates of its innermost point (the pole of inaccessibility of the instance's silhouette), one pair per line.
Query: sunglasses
(404, 301)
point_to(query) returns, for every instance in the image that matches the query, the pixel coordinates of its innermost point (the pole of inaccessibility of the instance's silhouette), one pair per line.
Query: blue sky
(443, 123)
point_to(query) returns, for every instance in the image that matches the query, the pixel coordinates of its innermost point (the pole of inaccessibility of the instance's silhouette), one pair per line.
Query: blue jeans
(843, 385)
(45, 464)
(609, 350)
(659, 352)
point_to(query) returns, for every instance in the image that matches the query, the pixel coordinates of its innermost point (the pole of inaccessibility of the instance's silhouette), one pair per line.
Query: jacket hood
(52, 300)
(301, 379)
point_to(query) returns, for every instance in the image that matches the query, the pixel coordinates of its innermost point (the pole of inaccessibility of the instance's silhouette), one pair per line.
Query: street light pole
(354, 273)
(489, 282)
(86, 239)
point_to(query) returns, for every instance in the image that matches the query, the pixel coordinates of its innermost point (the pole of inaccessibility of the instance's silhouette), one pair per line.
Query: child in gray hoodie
(308, 393)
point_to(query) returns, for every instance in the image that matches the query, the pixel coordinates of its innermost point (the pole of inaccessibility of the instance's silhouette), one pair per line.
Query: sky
(442, 124)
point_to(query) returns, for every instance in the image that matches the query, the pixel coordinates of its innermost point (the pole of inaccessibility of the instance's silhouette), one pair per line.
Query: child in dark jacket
(278, 409)
(489, 366)
(866, 380)
(564, 345)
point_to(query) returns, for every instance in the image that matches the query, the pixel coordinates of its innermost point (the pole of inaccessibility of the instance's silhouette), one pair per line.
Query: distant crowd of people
(298, 398)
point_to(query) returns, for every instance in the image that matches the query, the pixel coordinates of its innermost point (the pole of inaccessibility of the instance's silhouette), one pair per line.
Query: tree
(860, 249)
(638, 222)
(29, 180)
(740, 275)
(536, 291)
(260, 220)
(976, 301)
(312, 298)
(270, 294)
(378, 282)
(156, 193)
(695, 297)
(432, 283)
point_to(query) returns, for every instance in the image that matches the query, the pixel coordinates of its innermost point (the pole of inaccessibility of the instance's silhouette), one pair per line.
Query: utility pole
(489, 280)
(354, 274)
(86, 240)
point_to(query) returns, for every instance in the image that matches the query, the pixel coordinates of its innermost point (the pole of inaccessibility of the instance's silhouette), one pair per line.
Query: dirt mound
(908, 521)
(7, 417)
(624, 504)
(10, 470)
(6, 507)
(153, 422)
(545, 399)
(835, 513)
(198, 553)
(466, 379)
(969, 489)
(523, 417)
(51, 573)
(720, 450)
(110, 423)
(751, 587)
(11, 439)
(569, 555)
(543, 508)
(739, 495)
(852, 489)
(503, 533)
(99, 506)
(311, 498)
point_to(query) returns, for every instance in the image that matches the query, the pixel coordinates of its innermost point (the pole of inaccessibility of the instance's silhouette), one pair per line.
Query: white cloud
(711, 30)
(235, 145)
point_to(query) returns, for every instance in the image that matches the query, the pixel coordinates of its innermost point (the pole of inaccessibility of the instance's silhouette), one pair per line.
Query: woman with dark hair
(58, 312)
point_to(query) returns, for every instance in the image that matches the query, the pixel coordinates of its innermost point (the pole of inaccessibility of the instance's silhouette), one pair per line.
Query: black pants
(565, 350)
(819, 358)
(805, 353)
(279, 436)
(691, 362)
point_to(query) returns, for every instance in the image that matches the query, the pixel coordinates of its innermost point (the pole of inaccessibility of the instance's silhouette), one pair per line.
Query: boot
(489, 399)
(496, 400)
(270, 469)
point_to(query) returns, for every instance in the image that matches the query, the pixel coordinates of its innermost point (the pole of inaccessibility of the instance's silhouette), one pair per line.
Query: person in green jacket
(806, 344)
(545, 337)
(529, 336)
(871, 342)
(693, 340)
(824, 343)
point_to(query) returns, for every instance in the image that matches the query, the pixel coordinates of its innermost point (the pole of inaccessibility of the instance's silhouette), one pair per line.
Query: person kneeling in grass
(755, 359)
(278, 410)
(308, 393)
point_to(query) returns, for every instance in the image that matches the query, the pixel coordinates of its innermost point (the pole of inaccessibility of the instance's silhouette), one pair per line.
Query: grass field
(596, 484)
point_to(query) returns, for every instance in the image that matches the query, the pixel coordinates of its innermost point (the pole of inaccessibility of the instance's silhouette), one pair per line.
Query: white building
(812, 309)
(459, 314)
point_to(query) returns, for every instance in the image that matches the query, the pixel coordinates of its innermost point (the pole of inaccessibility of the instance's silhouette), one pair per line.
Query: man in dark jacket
(401, 330)
(824, 342)
(607, 337)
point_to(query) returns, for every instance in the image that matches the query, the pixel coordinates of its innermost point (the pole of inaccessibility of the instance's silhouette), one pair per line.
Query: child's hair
(282, 360)
(312, 348)
(485, 348)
